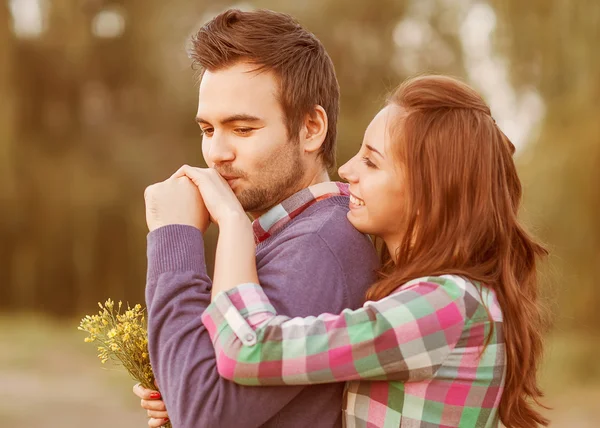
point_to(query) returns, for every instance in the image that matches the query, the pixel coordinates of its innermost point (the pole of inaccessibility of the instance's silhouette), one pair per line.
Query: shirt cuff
(173, 248)
(243, 309)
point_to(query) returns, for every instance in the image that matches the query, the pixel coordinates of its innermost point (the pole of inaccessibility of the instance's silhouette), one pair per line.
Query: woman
(452, 333)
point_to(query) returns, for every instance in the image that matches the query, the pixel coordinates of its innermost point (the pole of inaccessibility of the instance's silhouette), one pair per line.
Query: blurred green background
(97, 100)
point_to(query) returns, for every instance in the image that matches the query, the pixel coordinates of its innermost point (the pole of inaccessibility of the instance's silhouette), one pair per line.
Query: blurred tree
(105, 105)
(552, 47)
(362, 42)
(8, 202)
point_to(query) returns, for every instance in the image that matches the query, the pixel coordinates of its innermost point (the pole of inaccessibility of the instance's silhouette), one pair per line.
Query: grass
(51, 378)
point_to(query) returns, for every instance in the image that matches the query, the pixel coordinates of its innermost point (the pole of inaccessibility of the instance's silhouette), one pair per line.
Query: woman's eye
(207, 131)
(368, 162)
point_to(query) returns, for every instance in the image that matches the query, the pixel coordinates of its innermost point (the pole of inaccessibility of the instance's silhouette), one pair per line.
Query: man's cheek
(205, 150)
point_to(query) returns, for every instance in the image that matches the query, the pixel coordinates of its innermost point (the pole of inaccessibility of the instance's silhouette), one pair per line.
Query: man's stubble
(280, 178)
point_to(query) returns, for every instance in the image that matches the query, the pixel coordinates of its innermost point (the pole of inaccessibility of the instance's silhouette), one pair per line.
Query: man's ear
(314, 129)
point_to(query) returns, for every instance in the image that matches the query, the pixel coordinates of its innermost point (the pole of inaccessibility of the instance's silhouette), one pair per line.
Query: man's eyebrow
(233, 118)
(373, 149)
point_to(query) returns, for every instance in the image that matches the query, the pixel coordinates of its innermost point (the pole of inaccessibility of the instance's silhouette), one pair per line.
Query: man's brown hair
(276, 42)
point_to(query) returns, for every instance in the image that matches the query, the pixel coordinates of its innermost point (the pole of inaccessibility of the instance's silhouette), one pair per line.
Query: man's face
(245, 137)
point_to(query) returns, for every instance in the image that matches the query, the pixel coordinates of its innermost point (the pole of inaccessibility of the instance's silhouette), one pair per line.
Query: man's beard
(274, 189)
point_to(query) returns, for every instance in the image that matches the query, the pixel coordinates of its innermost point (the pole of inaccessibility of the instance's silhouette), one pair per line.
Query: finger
(179, 172)
(183, 171)
(153, 405)
(196, 175)
(157, 423)
(145, 393)
(156, 414)
(147, 191)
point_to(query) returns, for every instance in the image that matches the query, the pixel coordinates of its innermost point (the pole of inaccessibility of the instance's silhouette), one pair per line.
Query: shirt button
(249, 337)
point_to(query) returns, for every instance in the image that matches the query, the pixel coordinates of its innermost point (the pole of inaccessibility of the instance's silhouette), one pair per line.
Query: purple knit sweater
(317, 263)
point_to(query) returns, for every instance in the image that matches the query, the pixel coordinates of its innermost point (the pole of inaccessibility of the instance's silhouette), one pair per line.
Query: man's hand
(219, 199)
(152, 403)
(175, 201)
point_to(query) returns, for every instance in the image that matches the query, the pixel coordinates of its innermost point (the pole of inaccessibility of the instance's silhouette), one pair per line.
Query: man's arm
(181, 352)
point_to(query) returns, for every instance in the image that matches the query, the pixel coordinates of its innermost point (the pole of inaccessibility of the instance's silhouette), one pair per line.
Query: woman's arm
(235, 259)
(404, 336)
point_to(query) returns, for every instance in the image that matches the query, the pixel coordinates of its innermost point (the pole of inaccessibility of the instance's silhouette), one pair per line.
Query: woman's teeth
(356, 201)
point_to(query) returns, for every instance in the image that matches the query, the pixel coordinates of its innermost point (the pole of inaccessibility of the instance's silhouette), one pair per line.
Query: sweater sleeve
(181, 353)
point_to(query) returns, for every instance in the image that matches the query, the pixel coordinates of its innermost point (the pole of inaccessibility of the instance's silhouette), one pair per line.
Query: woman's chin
(357, 222)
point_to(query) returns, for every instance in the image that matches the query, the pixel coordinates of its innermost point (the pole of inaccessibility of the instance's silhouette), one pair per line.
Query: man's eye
(243, 131)
(207, 131)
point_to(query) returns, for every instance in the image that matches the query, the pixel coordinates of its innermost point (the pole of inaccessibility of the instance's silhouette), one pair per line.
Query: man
(268, 106)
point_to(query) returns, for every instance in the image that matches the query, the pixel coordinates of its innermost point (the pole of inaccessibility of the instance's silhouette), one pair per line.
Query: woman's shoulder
(478, 299)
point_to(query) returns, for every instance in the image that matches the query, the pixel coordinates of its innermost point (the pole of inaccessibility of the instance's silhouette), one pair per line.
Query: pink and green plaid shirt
(412, 359)
(277, 217)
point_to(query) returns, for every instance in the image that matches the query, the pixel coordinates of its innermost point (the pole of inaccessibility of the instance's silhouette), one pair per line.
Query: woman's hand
(218, 197)
(151, 402)
(235, 247)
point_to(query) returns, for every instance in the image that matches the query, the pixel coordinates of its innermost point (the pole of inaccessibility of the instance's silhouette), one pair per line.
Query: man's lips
(230, 179)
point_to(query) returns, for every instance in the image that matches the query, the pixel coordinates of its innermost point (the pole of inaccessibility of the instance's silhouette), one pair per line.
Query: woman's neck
(392, 244)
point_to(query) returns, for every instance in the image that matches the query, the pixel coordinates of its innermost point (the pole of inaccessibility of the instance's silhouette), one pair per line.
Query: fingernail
(155, 395)
(166, 419)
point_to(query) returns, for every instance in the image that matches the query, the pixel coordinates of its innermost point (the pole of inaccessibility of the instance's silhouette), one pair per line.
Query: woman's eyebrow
(373, 149)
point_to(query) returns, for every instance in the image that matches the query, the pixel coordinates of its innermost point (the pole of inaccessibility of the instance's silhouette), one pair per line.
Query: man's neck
(321, 177)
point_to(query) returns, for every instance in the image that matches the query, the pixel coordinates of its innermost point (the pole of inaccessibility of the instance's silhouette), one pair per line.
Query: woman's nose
(345, 171)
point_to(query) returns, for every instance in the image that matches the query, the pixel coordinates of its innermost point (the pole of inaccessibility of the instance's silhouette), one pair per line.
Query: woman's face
(376, 179)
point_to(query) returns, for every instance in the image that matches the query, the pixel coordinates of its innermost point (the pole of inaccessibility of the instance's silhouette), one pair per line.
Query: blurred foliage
(552, 47)
(88, 120)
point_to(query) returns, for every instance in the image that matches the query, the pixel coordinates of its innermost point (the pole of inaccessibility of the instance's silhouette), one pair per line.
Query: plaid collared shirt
(412, 359)
(277, 217)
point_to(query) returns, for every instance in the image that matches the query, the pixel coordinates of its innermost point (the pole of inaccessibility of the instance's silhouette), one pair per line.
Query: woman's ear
(314, 130)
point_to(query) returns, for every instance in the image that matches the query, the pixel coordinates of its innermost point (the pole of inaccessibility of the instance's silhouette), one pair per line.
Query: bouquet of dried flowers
(121, 338)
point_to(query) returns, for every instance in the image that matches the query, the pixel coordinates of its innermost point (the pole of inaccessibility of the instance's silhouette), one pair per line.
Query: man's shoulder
(318, 263)
(324, 231)
(325, 220)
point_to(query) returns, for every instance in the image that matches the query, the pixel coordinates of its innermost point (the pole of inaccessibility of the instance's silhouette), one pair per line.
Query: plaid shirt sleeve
(404, 337)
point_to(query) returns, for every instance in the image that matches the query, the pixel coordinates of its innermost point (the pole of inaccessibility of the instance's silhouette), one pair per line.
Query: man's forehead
(236, 91)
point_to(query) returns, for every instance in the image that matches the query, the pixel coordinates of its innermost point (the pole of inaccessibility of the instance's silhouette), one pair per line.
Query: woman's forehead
(383, 126)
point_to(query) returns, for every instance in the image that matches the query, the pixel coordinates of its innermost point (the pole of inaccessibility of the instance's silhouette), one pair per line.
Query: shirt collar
(277, 217)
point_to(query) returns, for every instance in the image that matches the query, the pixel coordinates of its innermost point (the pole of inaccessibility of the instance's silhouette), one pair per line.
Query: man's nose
(219, 150)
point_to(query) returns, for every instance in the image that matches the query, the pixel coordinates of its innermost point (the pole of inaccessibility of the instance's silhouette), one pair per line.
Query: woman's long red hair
(462, 198)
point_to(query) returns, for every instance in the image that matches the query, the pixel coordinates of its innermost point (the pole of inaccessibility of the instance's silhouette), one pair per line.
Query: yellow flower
(121, 337)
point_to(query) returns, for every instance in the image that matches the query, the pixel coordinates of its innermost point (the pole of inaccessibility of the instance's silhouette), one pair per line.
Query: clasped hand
(192, 196)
